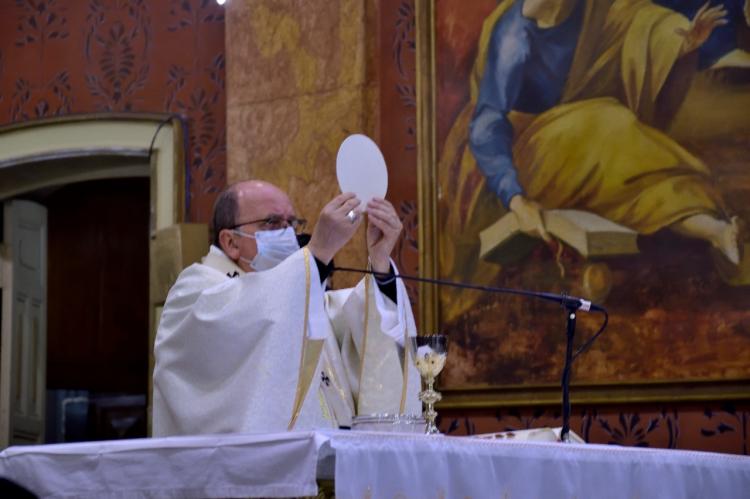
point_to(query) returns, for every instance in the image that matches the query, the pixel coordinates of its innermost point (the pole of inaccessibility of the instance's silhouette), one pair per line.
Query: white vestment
(233, 353)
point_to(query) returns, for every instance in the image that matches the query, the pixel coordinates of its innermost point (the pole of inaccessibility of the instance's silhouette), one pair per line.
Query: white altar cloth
(272, 465)
(369, 464)
(414, 466)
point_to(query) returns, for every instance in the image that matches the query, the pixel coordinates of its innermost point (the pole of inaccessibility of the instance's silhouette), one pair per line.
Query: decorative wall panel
(63, 57)
(301, 77)
(716, 427)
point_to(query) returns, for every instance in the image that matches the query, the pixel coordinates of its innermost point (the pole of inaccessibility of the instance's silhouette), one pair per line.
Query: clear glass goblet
(429, 354)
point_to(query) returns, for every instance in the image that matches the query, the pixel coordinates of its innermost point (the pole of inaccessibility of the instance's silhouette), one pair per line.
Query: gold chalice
(429, 354)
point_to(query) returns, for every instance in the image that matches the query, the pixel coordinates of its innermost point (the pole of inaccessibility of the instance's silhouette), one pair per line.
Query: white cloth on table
(417, 466)
(368, 464)
(206, 466)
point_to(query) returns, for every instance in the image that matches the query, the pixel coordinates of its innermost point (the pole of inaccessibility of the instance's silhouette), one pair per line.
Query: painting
(597, 148)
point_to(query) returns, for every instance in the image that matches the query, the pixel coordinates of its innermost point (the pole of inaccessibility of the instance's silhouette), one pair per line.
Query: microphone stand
(567, 366)
(571, 305)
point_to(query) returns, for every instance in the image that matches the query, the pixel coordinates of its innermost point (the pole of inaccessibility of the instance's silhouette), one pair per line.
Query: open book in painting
(589, 234)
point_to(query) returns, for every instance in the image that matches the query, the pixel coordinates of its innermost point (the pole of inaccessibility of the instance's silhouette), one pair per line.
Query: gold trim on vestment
(308, 361)
(364, 339)
(405, 376)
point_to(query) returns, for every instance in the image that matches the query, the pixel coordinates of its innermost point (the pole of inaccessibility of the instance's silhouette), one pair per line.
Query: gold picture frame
(483, 396)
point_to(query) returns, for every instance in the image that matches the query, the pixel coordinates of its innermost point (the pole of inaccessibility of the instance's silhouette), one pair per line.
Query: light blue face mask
(274, 246)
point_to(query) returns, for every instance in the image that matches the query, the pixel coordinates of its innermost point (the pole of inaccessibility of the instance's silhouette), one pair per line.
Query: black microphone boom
(565, 300)
(571, 304)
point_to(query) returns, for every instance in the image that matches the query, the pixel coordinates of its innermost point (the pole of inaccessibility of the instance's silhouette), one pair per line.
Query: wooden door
(23, 360)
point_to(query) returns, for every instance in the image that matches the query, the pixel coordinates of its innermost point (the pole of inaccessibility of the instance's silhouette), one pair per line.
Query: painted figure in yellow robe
(566, 100)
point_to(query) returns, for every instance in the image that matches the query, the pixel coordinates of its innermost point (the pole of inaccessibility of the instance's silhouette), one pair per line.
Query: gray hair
(225, 213)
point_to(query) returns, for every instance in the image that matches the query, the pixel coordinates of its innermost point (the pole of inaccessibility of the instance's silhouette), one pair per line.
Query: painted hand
(529, 215)
(701, 26)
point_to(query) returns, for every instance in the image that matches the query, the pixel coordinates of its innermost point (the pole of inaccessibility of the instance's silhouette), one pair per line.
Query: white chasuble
(234, 353)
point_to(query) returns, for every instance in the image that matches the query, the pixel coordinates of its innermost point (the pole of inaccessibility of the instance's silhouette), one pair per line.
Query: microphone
(571, 304)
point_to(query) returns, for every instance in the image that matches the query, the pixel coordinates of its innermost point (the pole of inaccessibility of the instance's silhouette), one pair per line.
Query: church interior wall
(63, 59)
(59, 58)
(299, 78)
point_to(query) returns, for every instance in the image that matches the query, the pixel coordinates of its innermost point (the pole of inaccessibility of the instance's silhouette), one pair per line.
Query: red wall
(62, 57)
(398, 127)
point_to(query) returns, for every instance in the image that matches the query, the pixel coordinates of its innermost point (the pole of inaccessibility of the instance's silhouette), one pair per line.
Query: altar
(368, 465)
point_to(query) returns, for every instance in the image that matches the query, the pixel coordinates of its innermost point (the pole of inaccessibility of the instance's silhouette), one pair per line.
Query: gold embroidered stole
(310, 354)
(362, 355)
(364, 338)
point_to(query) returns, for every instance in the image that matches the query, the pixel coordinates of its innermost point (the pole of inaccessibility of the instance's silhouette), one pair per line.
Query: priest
(249, 340)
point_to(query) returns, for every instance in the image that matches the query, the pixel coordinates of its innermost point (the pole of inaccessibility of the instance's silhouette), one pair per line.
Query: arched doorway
(70, 165)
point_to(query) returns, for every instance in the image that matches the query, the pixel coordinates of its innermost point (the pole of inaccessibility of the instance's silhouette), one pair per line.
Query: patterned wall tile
(713, 426)
(398, 115)
(60, 58)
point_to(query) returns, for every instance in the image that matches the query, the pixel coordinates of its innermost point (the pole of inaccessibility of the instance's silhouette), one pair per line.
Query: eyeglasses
(274, 222)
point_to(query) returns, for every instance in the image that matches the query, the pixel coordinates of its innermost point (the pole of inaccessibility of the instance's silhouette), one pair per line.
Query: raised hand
(334, 229)
(383, 229)
(701, 26)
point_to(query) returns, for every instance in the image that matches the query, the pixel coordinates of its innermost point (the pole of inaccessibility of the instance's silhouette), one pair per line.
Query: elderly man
(249, 340)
